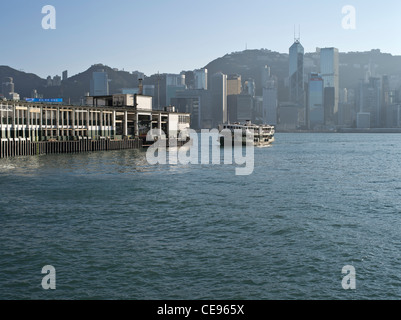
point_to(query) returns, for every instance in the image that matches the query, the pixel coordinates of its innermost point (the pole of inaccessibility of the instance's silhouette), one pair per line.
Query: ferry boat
(263, 135)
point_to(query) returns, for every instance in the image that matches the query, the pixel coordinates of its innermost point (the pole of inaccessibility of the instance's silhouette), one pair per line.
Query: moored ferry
(263, 134)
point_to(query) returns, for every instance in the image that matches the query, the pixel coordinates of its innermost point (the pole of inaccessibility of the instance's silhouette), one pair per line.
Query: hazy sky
(174, 35)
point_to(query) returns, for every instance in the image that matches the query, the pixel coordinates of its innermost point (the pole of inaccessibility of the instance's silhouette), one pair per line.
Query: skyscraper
(315, 100)
(219, 98)
(174, 83)
(265, 75)
(234, 84)
(250, 87)
(370, 100)
(296, 73)
(99, 85)
(270, 102)
(65, 75)
(200, 79)
(329, 70)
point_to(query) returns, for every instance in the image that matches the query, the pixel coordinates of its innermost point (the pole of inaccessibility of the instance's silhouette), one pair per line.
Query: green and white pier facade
(119, 121)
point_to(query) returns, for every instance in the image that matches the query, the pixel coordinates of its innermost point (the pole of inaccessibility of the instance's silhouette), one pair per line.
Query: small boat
(263, 135)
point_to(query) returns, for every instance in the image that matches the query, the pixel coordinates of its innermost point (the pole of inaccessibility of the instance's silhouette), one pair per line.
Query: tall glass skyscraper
(296, 73)
(329, 70)
(315, 100)
(99, 85)
(200, 79)
(219, 98)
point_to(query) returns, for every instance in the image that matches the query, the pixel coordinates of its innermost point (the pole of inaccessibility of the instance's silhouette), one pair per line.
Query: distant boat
(263, 134)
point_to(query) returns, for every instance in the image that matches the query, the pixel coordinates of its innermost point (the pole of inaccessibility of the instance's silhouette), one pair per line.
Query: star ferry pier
(113, 122)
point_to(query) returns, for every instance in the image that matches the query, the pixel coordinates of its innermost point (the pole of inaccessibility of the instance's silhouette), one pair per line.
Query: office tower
(250, 87)
(49, 81)
(200, 79)
(315, 100)
(149, 90)
(219, 99)
(265, 75)
(159, 82)
(99, 85)
(57, 81)
(388, 98)
(296, 73)
(197, 103)
(370, 100)
(329, 70)
(174, 83)
(258, 109)
(270, 102)
(175, 79)
(343, 95)
(244, 107)
(234, 85)
(7, 86)
(65, 75)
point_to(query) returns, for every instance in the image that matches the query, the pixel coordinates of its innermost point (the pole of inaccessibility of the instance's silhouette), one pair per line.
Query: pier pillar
(41, 122)
(28, 127)
(108, 118)
(58, 122)
(125, 133)
(14, 128)
(46, 122)
(159, 123)
(23, 123)
(88, 131)
(114, 123)
(101, 124)
(136, 133)
(62, 124)
(78, 118)
(36, 126)
(73, 122)
(1, 121)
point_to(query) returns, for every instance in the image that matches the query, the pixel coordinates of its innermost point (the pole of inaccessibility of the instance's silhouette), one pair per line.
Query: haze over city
(200, 150)
(171, 36)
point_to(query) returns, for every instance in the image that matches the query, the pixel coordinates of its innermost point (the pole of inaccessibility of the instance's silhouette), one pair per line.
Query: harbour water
(115, 227)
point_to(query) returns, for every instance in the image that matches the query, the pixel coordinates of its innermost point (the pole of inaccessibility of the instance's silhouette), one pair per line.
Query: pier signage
(43, 100)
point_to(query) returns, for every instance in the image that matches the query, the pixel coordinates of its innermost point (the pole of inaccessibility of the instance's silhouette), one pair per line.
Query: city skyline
(171, 36)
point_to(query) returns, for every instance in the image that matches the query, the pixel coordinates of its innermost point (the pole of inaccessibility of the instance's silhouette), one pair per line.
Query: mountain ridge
(247, 63)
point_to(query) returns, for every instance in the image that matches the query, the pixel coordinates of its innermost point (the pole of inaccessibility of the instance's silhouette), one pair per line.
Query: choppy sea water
(115, 227)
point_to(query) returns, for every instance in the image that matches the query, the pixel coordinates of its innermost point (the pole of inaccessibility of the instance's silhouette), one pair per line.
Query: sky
(169, 36)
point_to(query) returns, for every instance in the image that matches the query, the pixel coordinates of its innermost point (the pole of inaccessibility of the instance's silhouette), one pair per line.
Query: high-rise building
(175, 79)
(270, 102)
(370, 100)
(57, 81)
(296, 73)
(329, 70)
(99, 85)
(174, 83)
(200, 79)
(250, 87)
(149, 90)
(244, 107)
(315, 100)
(234, 84)
(219, 99)
(65, 75)
(196, 102)
(49, 81)
(265, 75)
